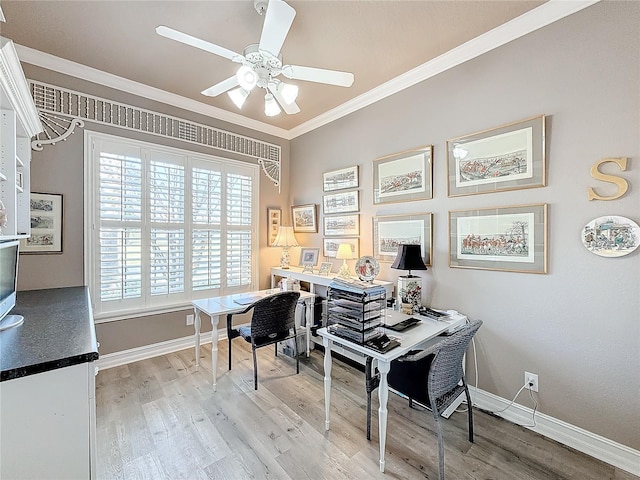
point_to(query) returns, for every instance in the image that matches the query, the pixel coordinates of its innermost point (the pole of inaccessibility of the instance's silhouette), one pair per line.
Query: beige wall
(577, 327)
(59, 169)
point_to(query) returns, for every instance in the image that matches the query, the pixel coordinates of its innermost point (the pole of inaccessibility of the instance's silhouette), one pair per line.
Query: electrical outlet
(531, 379)
(190, 319)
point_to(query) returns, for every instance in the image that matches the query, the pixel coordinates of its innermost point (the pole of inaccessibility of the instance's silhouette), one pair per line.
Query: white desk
(216, 306)
(414, 337)
(314, 279)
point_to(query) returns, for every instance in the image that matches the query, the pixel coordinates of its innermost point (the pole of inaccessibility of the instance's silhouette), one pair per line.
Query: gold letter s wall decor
(619, 181)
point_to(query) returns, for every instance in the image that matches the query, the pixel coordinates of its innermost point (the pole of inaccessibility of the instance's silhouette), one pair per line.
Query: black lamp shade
(409, 258)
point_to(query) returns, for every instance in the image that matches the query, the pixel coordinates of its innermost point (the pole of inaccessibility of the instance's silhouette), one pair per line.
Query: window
(166, 226)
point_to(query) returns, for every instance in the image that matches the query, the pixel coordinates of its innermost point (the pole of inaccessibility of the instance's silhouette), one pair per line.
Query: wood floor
(160, 419)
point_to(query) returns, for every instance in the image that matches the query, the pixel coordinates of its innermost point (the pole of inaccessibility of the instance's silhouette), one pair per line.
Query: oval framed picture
(611, 236)
(367, 268)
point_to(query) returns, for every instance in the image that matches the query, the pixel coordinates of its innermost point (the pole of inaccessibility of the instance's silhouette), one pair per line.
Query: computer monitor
(8, 284)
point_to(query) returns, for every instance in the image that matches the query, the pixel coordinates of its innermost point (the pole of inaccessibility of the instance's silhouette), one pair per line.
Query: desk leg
(327, 343)
(196, 326)
(383, 396)
(214, 349)
(308, 311)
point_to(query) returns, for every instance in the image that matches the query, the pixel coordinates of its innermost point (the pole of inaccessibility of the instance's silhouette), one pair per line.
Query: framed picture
(330, 246)
(46, 224)
(393, 230)
(509, 157)
(325, 268)
(309, 256)
(512, 239)
(404, 177)
(343, 225)
(274, 217)
(611, 236)
(341, 202)
(304, 218)
(340, 179)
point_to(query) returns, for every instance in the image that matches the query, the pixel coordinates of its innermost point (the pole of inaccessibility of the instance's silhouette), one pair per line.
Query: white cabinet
(48, 425)
(18, 123)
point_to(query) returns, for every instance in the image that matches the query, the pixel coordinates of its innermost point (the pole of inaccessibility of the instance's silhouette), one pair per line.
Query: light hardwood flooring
(160, 419)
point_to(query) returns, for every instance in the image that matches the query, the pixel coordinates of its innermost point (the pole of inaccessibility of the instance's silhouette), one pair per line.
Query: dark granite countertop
(58, 331)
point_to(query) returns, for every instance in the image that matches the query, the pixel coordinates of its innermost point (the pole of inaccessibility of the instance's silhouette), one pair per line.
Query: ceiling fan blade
(221, 87)
(319, 75)
(289, 108)
(198, 43)
(277, 23)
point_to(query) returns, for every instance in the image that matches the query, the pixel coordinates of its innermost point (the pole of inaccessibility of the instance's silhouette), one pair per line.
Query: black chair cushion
(410, 378)
(245, 332)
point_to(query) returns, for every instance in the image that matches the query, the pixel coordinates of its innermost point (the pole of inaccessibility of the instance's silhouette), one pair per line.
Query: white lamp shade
(247, 78)
(271, 107)
(285, 238)
(288, 92)
(238, 96)
(344, 252)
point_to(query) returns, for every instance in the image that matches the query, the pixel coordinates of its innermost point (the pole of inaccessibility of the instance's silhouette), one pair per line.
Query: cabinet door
(45, 426)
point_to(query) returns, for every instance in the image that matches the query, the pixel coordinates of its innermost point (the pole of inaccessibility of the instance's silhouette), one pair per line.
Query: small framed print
(46, 224)
(309, 256)
(341, 202)
(340, 179)
(304, 218)
(404, 177)
(325, 268)
(274, 217)
(509, 157)
(342, 225)
(511, 239)
(393, 230)
(330, 246)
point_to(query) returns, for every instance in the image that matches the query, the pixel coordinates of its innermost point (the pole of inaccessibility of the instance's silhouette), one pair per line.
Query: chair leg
(436, 417)
(229, 353)
(276, 345)
(470, 412)
(295, 350)
(255, 369)
(410, 402)
(367, 374)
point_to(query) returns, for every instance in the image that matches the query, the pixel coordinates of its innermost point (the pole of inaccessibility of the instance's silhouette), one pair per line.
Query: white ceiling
(379, 41)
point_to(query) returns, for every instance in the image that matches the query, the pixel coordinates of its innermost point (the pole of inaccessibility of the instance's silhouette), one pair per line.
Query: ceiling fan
(262, 63)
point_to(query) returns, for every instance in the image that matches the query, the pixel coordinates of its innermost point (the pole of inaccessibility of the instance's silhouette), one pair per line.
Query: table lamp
(344, 253)
(285, 239)
(409, 286)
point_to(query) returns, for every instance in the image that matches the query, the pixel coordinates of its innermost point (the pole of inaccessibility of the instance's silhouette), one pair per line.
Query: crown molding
(539, 17)
(90, 74)
(535, 19)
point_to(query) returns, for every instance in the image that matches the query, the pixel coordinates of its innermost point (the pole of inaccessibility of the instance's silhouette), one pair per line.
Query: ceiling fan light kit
(262, 63)
(271, 108)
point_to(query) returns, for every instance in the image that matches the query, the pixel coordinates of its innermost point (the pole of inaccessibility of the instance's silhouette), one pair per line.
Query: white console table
(313, 279)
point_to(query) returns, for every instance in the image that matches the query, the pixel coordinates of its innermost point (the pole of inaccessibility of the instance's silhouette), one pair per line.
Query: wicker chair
(273, 320)
(433, 377)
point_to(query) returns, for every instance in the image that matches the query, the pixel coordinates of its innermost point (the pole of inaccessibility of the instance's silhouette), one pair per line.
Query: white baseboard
(124, 357)
(596, 446)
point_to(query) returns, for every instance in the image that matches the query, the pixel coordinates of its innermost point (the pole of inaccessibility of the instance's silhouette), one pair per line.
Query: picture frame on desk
(309, 257)
(325, 268)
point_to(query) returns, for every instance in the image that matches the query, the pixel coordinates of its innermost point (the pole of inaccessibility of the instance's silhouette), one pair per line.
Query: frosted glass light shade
(271, 107)
(288, 92)
(247, 78)
(238, 96)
